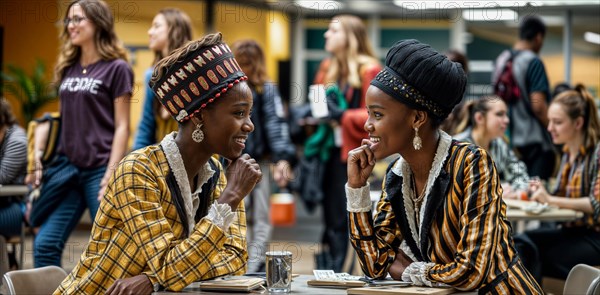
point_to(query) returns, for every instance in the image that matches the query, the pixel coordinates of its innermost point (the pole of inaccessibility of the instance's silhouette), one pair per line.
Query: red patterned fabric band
(190, 85)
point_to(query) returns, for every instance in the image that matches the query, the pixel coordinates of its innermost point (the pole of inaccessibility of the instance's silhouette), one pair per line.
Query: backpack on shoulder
(506, 86)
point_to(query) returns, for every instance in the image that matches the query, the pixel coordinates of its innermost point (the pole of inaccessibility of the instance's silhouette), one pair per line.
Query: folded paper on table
(400, 290)
(529, 207)
(331, 279)
(243, 284)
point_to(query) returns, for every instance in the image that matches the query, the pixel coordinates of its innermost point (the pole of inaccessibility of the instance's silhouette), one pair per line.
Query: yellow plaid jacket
(138, 230)
(464, 230)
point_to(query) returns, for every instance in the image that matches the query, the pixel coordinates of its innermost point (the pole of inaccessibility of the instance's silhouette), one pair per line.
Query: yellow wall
(270, 29)
(584, 69)
(31, 31)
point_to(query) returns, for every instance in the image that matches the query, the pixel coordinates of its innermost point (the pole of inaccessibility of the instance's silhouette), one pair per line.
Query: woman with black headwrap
(440, 219)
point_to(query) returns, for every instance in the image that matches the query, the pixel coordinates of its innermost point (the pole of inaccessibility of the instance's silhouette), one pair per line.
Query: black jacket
(271, 136)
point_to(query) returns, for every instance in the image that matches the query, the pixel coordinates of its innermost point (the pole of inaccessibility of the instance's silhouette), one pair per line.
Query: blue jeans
(54, 232)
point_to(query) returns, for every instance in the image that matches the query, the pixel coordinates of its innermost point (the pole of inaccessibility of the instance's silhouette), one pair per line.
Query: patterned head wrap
(198, 79)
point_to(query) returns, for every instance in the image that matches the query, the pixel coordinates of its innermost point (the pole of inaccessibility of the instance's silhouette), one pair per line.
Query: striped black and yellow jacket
(463, 227)
(138, 229)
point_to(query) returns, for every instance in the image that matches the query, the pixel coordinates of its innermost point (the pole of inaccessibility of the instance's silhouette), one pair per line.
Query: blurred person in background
(483, 122)
(171, 29)
(13, 163)
(269, 144)
(95, 84)
(574, 123)
(346, 75)
(528, 115)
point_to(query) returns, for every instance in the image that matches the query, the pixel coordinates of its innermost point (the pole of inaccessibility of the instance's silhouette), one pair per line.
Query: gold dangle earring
(417, 142)
(198, 135)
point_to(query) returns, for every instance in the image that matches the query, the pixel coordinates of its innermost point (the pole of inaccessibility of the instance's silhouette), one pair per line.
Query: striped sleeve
(13, 156)
(479, 221)
(375, 242)
(207, 252)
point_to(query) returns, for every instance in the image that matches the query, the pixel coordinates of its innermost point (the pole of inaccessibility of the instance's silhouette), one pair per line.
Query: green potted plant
(32, 91)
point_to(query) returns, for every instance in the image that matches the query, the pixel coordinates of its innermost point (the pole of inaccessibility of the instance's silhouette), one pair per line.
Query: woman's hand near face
(361, 162)
(242, 175)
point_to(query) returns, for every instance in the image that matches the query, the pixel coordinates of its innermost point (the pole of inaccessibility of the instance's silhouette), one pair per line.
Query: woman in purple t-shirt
(95, 85)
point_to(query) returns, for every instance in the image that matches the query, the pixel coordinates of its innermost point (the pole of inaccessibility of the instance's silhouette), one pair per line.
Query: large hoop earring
(198, 135)
(417, 142)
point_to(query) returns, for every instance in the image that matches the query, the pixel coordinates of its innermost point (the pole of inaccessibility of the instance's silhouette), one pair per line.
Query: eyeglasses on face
(75, 20)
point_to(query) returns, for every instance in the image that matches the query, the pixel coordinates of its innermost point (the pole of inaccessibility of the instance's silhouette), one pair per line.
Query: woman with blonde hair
(483, 122)
(95, 83)
(346, 75)
(573, 123)
(171, 29)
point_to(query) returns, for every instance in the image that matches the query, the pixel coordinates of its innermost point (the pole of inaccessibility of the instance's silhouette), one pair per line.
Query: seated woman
(13, 161)
(440, 218)
(483, 122)
(553, 252)
(170, 216)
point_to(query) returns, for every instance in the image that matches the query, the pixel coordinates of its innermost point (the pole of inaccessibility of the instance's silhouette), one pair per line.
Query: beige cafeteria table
(13, 190)
(520, 217)
(515, 213)
(299, 286)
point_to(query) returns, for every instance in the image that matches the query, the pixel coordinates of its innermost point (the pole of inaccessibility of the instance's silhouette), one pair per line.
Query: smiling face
(80, 28)
(389, 125)
(496, 118)
(227, 122)
(562, 128)
(158, 34)
(335, 37)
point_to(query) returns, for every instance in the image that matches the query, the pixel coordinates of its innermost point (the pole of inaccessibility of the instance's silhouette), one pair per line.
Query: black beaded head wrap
(197, 80)
(422, 78)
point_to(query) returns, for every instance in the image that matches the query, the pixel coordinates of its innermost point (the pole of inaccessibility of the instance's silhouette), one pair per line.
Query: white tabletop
(13, 190)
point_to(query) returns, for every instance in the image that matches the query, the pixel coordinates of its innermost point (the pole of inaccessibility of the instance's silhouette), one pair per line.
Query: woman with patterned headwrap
(171, 215)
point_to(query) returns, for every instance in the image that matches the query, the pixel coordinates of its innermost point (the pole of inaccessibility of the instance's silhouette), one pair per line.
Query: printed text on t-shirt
(74, 84)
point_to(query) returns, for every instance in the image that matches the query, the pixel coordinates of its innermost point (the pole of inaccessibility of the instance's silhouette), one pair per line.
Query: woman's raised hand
(242, 175)
(361, 162)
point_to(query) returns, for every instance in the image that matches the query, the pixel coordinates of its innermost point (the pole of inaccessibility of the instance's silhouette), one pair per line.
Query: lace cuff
(221, 215)
(416, 273)
(358, 199)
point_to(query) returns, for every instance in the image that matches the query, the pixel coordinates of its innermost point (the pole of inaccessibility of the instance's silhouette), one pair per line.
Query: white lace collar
(190, 200)
(401, 168)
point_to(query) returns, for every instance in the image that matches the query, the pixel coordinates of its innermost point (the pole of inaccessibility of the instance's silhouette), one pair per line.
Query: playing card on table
(324, 274)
